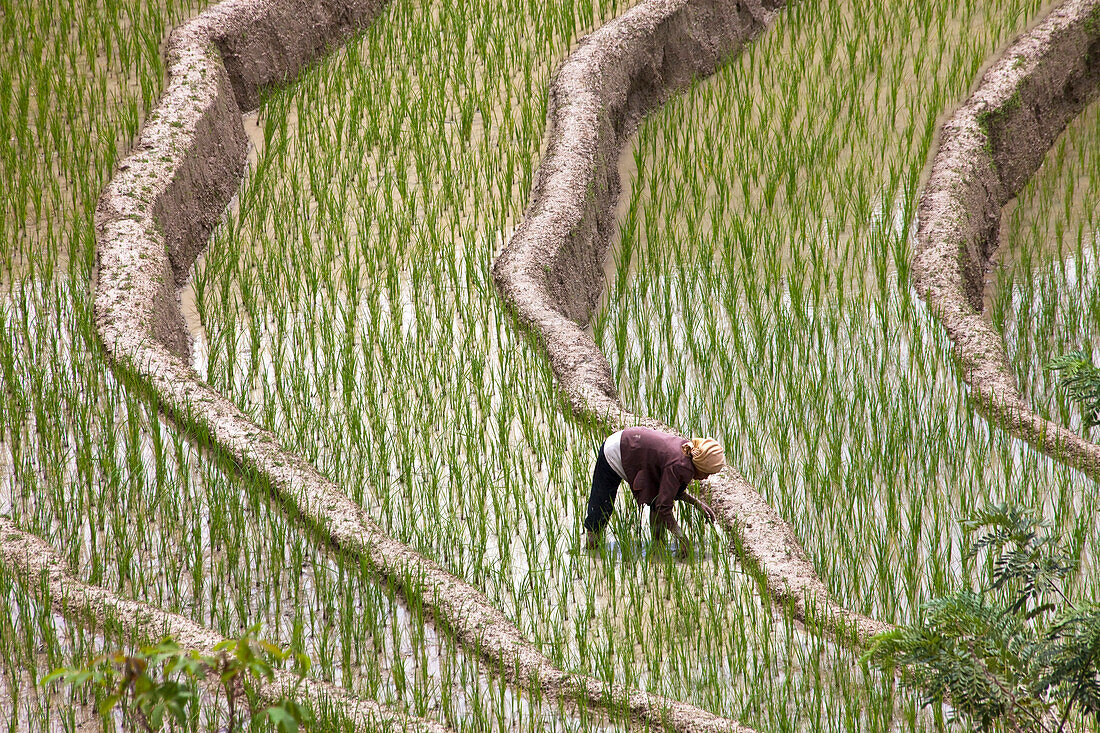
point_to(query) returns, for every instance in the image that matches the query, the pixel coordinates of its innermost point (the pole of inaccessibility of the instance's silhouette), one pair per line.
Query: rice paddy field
(757, 291)
(1046, 299)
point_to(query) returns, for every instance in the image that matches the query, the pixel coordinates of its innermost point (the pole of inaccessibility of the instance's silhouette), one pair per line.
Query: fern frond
(1081, 381)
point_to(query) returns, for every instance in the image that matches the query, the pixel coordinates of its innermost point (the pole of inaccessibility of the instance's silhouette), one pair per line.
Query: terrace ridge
(551, 270)
(989, 149)
(69, 596)
(154, 218)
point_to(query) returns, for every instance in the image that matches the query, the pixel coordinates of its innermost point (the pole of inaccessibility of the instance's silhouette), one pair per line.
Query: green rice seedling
(905, 432)
(374, 345)
(1046, 283)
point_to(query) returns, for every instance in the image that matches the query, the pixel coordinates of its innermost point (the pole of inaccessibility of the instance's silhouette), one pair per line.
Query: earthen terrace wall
(50, 580)
(989, 149)
(153, 219)
(551, 270)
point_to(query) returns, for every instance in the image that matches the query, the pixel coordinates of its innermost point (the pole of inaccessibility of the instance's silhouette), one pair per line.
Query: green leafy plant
(1019, 651)
(158, 685)
(1081, 381)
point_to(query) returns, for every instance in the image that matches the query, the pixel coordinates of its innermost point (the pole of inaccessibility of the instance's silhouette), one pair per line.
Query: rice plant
(758, 291)
(761, 294)
(1045, 298)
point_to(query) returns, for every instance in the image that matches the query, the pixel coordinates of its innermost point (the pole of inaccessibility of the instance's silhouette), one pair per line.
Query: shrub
(1019, 651)
(1081, 381)
(158, 685)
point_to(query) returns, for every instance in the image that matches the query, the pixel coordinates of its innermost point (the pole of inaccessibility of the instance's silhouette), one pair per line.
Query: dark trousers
(601, 500)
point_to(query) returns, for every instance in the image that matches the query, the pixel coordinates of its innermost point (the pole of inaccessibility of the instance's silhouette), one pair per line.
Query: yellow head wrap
(707, 455)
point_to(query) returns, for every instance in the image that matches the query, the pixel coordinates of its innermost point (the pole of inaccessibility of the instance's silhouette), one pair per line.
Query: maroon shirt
(655, 467)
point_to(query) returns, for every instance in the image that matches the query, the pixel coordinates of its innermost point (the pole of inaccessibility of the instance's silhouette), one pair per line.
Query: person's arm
(688, 498)
(667, 492)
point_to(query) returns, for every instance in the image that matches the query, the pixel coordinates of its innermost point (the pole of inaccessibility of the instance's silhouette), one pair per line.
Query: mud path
(32, 558)
(551, 270)
(989, 149)
(155, 217)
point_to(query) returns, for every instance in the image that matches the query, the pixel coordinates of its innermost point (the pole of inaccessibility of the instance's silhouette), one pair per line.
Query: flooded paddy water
(353, 314)
(757, 293)
(761, 294)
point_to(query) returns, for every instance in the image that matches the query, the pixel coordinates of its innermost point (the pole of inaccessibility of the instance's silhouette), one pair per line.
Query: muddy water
(864, 361)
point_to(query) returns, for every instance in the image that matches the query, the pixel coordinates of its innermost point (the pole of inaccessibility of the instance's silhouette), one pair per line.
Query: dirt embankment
(551, 271)
(156, 216)
(159, 209)
(989, 148)
(35, 559)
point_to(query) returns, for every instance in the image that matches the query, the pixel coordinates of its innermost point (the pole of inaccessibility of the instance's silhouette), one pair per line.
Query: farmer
(658, 467)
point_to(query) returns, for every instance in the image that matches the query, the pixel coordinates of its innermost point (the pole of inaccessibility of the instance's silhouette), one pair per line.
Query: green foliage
(1017, 652)
(158, 685)
(1081, 381)
(1027, 561)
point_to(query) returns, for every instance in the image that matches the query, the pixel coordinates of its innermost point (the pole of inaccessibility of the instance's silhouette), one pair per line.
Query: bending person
(658, 467)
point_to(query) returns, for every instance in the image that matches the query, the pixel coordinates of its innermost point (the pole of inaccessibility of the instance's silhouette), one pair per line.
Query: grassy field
(758, 292)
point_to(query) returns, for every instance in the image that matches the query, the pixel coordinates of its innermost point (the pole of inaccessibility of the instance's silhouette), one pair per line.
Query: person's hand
(657, 529)
(709, 513)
